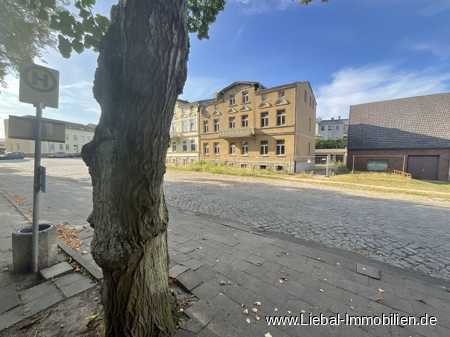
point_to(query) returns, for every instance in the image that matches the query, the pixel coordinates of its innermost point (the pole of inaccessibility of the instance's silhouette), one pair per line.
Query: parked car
(12, 155)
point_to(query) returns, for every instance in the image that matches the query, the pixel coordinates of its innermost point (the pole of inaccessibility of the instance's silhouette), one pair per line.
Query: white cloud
(435, 7)
(260, 6)
(440, 50)
(198, 88)
(351, 86)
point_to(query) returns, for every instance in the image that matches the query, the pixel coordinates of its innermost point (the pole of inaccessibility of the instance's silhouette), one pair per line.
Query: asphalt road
(407, 234)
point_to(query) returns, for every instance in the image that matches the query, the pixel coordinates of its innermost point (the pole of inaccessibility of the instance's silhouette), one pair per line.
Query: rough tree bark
(141, 71)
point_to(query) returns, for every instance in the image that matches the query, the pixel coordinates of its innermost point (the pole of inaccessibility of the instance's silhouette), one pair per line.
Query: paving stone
(177, 270)
(184, 333)
(190, 279)
(208, 290)
(202, 312)
(368, 271)
(254, 259)
(87, 264)
(56, 270)
(40, 290)
(8, 298)
(73, 284)
(43, 302)
(11, 317)
(193, 264)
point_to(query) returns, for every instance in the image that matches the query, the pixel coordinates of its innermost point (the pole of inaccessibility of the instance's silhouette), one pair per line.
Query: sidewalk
(233, 270)
(230, 269)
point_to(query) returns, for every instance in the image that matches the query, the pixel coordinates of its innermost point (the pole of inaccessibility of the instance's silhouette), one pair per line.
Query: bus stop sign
(39, 85)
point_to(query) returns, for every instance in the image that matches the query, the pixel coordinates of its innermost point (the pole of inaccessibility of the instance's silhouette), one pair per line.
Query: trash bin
(22, 248)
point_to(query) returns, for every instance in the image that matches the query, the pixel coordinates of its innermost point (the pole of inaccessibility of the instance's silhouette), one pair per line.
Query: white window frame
(264, 144)
(281, 117)
(265, 119)
(281, 147)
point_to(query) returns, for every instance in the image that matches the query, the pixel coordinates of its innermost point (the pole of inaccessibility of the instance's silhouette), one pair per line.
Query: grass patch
(225, 169)
(392, 181)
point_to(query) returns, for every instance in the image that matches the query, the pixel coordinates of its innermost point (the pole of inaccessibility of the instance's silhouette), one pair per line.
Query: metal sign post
(36, 188)
(40, 87)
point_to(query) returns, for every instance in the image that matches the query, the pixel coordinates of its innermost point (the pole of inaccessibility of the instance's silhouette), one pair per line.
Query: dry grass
(224, 169)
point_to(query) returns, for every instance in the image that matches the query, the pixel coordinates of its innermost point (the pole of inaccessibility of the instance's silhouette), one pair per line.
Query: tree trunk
(141, 71)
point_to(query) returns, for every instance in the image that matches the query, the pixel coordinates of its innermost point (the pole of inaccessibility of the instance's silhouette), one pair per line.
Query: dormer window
(281, 93)
(232, 100)
(245, 98)
(263, 97)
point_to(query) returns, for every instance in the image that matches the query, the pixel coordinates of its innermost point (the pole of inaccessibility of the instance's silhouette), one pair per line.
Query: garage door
(423, 167)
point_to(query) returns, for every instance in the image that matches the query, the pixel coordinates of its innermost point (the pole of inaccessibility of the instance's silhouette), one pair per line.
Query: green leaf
(64, 46)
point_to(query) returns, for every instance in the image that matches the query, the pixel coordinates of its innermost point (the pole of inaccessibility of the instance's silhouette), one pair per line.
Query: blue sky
(352, 51)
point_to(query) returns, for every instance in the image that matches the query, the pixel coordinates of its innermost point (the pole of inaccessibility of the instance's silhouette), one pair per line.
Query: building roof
(69, 125)
(333, 121)
(234, 84)
(421, 122)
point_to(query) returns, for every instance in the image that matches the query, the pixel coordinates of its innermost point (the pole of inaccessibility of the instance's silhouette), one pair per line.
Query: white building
(77, 135)
(184, 135)
(332, 129)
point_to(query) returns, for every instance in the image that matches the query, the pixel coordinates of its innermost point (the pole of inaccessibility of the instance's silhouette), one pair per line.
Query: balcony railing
(176, 133)
(237, 133)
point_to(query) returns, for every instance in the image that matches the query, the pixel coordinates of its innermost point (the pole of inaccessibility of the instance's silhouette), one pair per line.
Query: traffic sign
(25, 128)
(39, 85)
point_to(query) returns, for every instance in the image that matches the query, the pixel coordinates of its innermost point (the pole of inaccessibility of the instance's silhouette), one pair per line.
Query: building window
(264, 119)
(281, 150)
(216, 125)
(263, 97)
(185, 147)
(245, 148)
(263, 167)
(185, 126)
(192, 124)
(216, 148)
(322, 128)
(245, 98)
(193, 146)
(232, 148)
(174, 147)
(243, 166)
(205, 126)
(337, 127)
(264, 147)
(67, 148)
(232, 100)
(232, 122)
(310, 124)
(281, 93)
(61, 147)
(244, 121)
(75, 148)
(280, 168)
(281, 117)
(309, 148)
(330, 127)
(205, 148)
(306, 97)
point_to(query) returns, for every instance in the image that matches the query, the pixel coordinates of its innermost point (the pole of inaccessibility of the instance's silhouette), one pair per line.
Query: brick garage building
(409, 134)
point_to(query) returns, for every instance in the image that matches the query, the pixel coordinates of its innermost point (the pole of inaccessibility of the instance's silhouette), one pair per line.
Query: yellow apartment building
(251, 126)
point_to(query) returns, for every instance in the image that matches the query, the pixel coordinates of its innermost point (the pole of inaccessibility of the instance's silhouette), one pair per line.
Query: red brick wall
(398, 158)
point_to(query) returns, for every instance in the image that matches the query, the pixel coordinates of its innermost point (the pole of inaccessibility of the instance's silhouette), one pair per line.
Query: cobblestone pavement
(407, 234)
